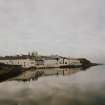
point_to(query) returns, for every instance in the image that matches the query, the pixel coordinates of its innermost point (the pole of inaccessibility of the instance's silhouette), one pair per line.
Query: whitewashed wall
(75, 62)
(22, 62)
(31, 63)
(50, 62)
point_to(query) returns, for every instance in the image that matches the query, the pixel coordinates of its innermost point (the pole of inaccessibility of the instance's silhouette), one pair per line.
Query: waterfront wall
(27, 63)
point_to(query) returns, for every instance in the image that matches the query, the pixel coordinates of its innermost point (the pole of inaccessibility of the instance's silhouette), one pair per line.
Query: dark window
(65, 62)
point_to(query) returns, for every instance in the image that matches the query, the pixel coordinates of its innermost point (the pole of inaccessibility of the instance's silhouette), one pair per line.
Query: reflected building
(35, 74)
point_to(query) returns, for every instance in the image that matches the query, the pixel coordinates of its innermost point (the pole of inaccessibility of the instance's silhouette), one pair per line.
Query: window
(65, 62)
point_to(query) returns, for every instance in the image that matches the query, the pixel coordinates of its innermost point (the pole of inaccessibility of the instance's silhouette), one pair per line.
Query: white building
(23, 62)
(74, 61)
(50, 61)
(69, 61)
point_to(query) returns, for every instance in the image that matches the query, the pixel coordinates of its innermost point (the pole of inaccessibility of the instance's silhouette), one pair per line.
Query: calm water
(56, 87)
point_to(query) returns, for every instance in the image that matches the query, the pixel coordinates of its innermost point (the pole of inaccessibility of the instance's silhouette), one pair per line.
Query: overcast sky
(66, 27)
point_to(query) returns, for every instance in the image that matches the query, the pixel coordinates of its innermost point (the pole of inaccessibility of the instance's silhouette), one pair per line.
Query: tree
(34, 55)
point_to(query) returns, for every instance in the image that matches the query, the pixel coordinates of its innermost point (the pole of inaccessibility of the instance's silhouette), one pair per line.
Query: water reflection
(35, 74)
(81, 88)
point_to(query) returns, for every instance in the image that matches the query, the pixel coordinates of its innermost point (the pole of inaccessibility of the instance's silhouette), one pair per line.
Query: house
(56, 60)
(39, 62)
(23, 62)
(64, 61)
(69, 61)
(49, 61)
(18, 60)
(74, 61)
(27, 61)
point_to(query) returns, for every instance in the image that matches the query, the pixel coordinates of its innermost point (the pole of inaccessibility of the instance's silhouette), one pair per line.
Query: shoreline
(10, 71)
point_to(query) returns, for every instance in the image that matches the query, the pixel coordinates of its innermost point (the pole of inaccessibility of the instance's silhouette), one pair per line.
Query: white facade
(46, 62)
(74, 62)
(50, 62)
(23, 62)
(66, 61)
(60, 61)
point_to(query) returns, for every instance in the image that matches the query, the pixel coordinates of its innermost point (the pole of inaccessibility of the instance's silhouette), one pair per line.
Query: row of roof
(28, 57)
(33, 57)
